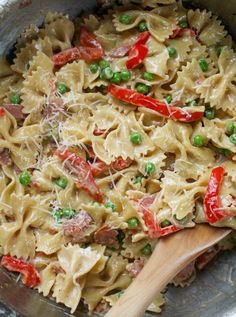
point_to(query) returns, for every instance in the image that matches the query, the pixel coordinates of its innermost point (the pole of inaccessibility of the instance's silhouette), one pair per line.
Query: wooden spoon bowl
(169, 257)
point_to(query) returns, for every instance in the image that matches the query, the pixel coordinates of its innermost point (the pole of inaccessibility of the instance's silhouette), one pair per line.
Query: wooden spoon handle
(156, 274)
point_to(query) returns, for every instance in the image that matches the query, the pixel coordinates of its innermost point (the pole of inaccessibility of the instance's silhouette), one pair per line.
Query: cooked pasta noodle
(82, 165)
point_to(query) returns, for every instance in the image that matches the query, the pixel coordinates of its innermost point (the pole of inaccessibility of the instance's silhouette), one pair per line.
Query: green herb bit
(147, 250)
(198, 140)
(110, 205)
(136, 138)
(165, 223)
(61, 182)
(133, 223)
(25, 178)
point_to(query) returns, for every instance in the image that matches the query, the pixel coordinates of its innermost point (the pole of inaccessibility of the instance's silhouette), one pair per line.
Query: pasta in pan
(114, 132)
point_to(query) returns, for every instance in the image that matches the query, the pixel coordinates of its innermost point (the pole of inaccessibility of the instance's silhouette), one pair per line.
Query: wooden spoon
(170, 256)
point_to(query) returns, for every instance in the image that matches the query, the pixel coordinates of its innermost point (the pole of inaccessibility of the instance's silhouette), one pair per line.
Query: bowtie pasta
(115, 130)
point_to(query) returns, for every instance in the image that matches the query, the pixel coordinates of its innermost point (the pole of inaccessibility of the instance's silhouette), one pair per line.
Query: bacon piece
(101, 307)
(119, 164)
(15, 111)
(121, 51)
(186, 273)
(5, 157)
(76, 227)
(108, 236)
(52, 109)
(135, 268)
(207, 257)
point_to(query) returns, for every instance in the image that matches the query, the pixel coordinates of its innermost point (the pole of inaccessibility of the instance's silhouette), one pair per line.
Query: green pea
(233, 138)
(125, 19)
(133, 223)
(148, 76)
(125, 75)
(94, 67)
(61, 182)
(209, 114)
(138, 179)
(103, 63)
(172, 52)
(192, 103)
(224, 152)
(68, 212)
(168, 99)
(203, 64)
(230, 128)
(106, 73)
(62, 88)
(147, 249)
(165, 223)
(198, 140)
(142, 89)
(149, 168)
(136, 138)
(15, 99)
(58, 215)
(110, 205)
(183, 24)
(143, 27)
(116, 79)
(25, 178)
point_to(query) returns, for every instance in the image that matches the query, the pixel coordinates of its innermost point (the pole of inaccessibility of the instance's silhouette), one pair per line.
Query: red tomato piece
(2, 112)
(212, 202)
(162, 108)
(82, 170)
(137, 55)
(30, 276)
(66, 56)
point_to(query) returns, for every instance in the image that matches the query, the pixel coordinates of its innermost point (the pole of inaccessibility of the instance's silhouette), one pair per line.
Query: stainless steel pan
(214, 291)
